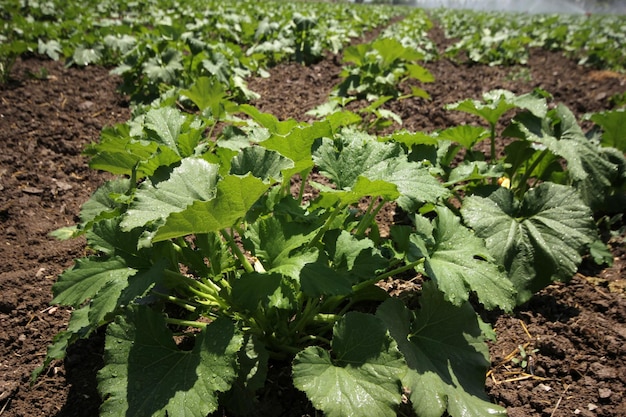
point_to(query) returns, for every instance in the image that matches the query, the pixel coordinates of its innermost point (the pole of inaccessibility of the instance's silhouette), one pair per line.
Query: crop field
(242, 208)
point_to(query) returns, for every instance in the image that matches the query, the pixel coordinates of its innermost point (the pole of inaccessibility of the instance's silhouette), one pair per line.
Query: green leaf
(363, 188)
(354, 257)
(253, 290)
(353, 154)
(497, 102)
(234, 197)
(118, 152)
(539, 239)
(207, 92)
(146, 374)
(77, 327)
(261, 163)
(165, 124)
(269, 121)
(84, 55)
(164, 68)
(490, 111)
(612, 123)
(275, 239)
(459, 263)
(296, 145)
(361, 378)
(391, 50)
(103, 200)
(106, 236)
(420, 73)
(52, 48)
(318, 279)
(445, 351)
(87, 277)
(253, 364)
(358, 154)
(194, 180)
(466, 135)
(414, 182)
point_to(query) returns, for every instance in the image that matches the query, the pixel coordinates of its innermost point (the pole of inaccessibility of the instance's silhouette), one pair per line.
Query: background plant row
(247, 37)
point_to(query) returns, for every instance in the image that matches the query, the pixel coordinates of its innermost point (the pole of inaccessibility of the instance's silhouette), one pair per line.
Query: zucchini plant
(208, 264)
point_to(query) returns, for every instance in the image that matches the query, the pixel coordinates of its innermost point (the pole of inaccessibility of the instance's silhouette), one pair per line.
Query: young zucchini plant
(378, 68)
(207, 267)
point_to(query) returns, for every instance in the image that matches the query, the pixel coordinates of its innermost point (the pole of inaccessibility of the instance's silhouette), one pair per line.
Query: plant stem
(238, 253)
(188, 323)
(387, 274)
(369, 217)
(314, 338)
(322, 230)
(524, 181)
(175, 300)
(492, 127)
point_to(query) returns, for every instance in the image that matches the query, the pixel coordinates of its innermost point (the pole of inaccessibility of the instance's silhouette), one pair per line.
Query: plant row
(501, 38)
(230, 241)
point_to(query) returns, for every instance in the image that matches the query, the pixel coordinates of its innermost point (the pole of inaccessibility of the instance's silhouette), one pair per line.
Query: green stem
(187, 323)
(369, 217)
(175, 300)
(387, 274)
(493, 142)
(325, 318)
(320, 233)
(314, 338)
(523, 182)
(303, 176)
(238, 253)
(202, 288)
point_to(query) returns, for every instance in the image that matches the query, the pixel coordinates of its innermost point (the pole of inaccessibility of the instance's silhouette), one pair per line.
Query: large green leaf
(297, 144)
(194, 180)
(87, 277)
(118, 152)
(256, 290)
(106, 236)
(360, 155)
(165, 67)
(208, 92)
(612, 123)
(350, 156)
(354, 257)
(260, 162)
(164, 126)
(234, 197)
(361, 378)
(459, 263)
(146, 374)
(539, 239)
(466, 135)
(362, 188)
(274, 239)
(445, 351)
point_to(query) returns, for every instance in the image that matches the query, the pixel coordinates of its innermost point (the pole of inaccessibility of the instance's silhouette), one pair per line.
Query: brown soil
(575, 333)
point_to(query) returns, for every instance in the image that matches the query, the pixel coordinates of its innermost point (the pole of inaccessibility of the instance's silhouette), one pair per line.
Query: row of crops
(201, 240)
